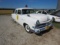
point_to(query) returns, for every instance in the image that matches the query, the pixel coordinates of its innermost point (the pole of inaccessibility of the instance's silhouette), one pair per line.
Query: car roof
(23, 8)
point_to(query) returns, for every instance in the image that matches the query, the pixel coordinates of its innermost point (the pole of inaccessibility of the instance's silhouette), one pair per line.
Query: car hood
(41, 17)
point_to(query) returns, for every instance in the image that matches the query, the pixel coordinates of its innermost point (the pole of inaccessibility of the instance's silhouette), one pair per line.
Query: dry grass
(2, 12)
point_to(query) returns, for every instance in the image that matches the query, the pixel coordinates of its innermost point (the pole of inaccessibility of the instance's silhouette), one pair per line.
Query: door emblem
(17, 17)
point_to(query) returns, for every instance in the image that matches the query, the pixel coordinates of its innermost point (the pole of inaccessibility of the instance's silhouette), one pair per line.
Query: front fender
(30, 21)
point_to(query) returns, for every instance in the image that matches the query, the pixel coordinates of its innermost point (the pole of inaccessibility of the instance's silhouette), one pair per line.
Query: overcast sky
(41, 4)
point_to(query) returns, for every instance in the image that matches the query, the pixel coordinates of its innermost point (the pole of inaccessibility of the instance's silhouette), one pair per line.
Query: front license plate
(47, 27)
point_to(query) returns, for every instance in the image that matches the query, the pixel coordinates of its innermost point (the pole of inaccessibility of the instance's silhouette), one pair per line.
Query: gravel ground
(12, 33)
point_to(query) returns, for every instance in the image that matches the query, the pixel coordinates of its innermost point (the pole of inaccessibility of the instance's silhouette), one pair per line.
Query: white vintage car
(31, 21)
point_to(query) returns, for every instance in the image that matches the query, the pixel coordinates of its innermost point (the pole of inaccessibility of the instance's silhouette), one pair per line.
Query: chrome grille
(42, 25)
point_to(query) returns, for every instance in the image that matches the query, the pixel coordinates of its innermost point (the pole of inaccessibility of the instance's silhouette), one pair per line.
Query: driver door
(18, 15)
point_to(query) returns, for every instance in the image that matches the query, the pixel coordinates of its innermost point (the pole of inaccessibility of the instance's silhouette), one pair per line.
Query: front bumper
(40, 29)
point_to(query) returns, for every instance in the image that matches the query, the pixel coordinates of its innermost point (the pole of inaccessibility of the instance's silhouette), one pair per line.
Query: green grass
(57, 25)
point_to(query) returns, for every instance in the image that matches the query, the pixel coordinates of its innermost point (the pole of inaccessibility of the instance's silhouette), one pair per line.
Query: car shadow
(43, 32)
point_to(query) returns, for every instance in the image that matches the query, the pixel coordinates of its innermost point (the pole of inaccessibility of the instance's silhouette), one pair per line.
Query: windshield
(28, 11)
(43, 12)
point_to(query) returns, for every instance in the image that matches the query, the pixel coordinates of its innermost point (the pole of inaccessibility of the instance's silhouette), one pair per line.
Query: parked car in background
(54, 16)
(31, 21)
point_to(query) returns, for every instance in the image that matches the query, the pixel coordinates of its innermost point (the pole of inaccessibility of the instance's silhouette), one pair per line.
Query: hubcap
(27, 28)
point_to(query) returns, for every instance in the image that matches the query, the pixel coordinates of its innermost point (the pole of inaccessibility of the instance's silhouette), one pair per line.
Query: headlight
(37, 22)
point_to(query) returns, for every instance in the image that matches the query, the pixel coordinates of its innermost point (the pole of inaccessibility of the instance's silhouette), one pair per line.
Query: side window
(19, 12)
(39, 12)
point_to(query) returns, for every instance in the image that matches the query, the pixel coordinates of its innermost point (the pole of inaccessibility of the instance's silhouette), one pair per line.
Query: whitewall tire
(27, 28)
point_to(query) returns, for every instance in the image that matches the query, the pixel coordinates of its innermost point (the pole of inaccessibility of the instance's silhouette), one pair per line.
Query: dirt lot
(13, 34)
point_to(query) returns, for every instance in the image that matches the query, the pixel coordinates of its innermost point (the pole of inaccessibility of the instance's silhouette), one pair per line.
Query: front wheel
(27, 28)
